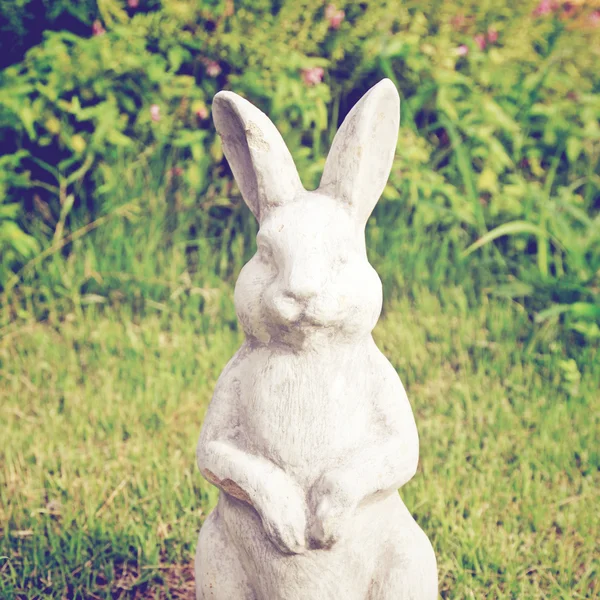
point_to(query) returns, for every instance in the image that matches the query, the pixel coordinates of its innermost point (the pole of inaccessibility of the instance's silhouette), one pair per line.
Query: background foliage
(497, 166)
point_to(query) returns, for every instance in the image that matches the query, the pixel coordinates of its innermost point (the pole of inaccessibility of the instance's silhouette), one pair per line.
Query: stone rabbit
(309, 433)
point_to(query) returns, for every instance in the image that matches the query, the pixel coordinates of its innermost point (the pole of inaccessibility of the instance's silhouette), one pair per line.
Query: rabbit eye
(264, 251)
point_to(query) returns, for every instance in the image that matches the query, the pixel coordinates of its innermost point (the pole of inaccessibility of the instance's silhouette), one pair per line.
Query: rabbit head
(310, 278)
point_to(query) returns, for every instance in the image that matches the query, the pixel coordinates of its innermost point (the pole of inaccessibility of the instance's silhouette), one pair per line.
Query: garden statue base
(309, 433)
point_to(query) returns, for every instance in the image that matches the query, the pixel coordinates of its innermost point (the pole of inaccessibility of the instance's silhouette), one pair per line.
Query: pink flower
(213, 69)
(98, 28)
(176, 172)
(155, 113)
(594, 18)
(462, 50)
(461, 23)
(202, 113)
(457, 21)
(133, 3)
(545, 7)
(334, 16)
(492, 35)
(229, 8)
(479, 39)
(313, 75)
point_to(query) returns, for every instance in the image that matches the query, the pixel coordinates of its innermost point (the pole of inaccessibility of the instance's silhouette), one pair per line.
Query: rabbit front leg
(276, 497)
(383, 464)
(339, 492)
(332, 504)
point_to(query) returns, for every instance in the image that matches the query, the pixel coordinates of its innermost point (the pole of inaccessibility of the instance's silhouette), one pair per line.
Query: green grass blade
(510, 228)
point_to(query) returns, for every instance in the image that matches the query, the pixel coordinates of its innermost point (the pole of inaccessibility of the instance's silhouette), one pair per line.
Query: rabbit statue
(309, 433)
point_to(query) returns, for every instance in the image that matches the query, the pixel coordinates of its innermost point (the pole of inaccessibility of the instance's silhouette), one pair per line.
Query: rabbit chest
(301, 409)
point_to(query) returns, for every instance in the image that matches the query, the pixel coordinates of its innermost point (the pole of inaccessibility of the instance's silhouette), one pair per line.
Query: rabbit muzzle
(305, 311)
(287, 309)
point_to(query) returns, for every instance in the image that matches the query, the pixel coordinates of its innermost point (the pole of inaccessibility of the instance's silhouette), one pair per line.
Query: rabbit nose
(301, 288)
(301, 294)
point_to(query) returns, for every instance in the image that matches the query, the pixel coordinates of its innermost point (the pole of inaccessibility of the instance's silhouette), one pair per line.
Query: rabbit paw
(333, 504)
(285, 523)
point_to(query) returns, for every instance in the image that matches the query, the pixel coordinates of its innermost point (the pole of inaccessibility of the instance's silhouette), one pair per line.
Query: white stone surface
(309, 433)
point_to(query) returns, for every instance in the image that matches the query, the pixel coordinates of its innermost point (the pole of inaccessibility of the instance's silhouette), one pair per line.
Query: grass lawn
(100, 496)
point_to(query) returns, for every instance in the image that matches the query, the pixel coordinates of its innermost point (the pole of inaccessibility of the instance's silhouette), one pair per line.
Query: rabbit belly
(303, 414)
(344, 571)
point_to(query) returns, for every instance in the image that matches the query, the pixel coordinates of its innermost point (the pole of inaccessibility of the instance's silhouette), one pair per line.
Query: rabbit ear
(261, 163)
(362, 152)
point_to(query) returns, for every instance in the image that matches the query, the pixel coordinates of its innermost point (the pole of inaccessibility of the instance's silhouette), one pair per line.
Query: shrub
(76, 107)
(23, 22)
(509, 104)
(499, 148)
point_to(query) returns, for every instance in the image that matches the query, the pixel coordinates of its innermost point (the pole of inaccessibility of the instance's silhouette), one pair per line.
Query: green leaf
(195, 176)
(511, 228)
(10, 211)
(514, 289)
(117, 138)
(465, 167)
(28, 120)
(176, 55)
(496, 115)
(590, 331)
(581, 310)
(67, 206)
(574, 147)
(12, 236)
(487, 181)
(395, 49)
